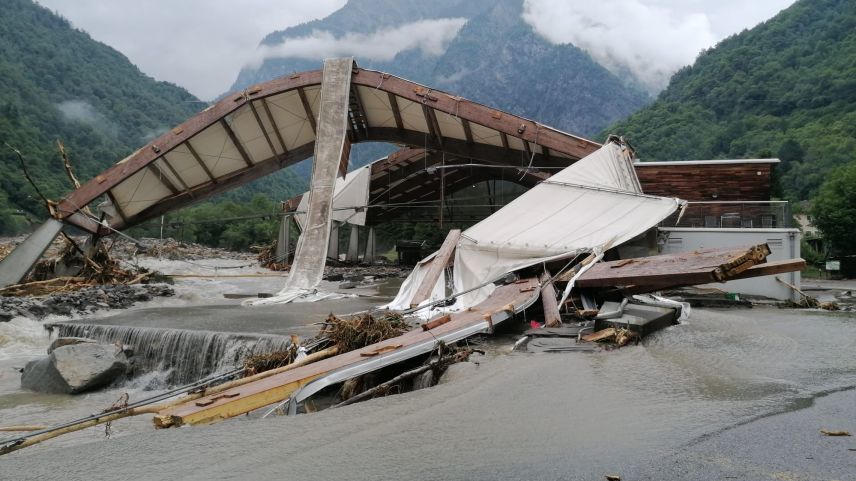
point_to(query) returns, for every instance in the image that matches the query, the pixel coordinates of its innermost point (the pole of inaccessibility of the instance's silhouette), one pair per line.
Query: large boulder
(68, 341)
(75, 368)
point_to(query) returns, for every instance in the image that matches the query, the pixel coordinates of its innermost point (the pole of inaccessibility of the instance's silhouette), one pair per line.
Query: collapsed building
(576, 247)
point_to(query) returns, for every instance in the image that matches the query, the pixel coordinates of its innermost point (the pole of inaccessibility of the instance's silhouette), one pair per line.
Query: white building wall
(784, 244)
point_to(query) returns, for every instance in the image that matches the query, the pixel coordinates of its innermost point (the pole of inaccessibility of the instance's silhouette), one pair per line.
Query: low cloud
(79, 111)
(651, 38)
(431, 36)
(83, 112)
(198, 44)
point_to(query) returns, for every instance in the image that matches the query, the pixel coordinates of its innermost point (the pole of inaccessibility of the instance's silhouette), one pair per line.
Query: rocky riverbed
(81, 302)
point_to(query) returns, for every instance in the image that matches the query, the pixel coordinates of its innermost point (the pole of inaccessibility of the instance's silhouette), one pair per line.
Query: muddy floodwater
(729, 394)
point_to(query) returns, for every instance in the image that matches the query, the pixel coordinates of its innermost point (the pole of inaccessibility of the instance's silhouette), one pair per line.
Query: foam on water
(21, 338)
(187, 355)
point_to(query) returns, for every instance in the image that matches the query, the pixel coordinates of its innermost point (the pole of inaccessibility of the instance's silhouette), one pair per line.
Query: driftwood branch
(67, 164)
(27, 175)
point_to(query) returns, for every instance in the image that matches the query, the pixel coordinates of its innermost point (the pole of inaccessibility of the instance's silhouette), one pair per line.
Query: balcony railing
(733, 214)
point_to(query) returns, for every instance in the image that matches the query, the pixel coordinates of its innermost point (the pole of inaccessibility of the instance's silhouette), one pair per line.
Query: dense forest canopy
(786, 89)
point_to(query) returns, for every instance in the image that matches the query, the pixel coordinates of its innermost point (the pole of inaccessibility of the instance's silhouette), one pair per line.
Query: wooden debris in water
(266, 362)
(361, 330)
(268, 259)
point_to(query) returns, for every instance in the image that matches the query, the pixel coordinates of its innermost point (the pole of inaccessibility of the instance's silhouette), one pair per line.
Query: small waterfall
(186, 355)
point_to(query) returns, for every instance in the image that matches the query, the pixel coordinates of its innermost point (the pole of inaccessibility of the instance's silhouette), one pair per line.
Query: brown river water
(686, 403)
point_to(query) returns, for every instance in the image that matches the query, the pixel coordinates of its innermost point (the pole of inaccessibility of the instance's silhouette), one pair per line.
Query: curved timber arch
(270, 126)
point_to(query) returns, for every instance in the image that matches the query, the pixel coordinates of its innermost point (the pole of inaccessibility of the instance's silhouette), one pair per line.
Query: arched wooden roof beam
(271, 126)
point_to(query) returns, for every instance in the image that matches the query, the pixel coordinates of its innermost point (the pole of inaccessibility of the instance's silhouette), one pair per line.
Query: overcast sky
(202, 44)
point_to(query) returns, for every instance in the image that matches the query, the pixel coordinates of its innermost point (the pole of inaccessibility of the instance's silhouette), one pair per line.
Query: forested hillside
(58, 83)
(786, 88)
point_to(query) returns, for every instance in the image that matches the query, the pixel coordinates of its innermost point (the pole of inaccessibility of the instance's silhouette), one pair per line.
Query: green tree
(834, 209)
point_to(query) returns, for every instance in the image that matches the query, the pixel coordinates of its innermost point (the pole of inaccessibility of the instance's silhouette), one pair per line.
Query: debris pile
(268, 259)
(273, 360)
(360, 330)
(172, 249)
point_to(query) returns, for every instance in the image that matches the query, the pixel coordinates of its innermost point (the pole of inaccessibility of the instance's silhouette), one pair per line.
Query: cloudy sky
(202, 44)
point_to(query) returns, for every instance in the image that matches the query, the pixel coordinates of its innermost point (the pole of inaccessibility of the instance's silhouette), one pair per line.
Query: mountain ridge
(785, 88)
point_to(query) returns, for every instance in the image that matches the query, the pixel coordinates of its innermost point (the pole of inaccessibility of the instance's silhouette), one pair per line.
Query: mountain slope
(785, 88)
(58, 83)
(495, 58)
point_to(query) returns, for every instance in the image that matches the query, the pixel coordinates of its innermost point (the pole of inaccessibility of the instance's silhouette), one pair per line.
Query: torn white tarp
(411, 285)
(350, 197)
(311, 254)
(590, 206)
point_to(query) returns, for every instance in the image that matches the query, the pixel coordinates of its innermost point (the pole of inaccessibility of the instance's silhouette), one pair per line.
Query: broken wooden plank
(759, 270)
(601, 335)
(440, 261)
(685, 268)
(552, 317)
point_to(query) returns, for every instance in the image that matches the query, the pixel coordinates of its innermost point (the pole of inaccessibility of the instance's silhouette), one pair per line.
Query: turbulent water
(186, 355)
(516, 416)
(176, 340)
(522, 416)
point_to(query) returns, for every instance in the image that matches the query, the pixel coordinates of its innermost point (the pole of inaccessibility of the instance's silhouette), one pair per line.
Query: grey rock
(75, 368)
(67, 341)
(41, 375)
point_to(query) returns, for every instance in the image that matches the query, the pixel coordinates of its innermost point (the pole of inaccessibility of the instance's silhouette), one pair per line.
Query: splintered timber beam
(758, 270)
(686, 268)
(440, 261)
(552, 316)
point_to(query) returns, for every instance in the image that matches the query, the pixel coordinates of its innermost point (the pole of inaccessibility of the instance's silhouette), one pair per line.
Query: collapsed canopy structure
(273, 125)
(590, 206)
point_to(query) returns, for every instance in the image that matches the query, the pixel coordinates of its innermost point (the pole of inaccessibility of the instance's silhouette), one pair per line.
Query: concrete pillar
(369, 256)
(353, 245)
(283, 240)
(18, 263)
(333, 245)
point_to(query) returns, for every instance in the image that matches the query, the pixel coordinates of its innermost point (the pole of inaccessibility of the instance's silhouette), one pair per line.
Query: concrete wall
(784, 244)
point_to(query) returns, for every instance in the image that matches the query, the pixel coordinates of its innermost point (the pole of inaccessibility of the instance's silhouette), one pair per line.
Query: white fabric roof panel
(287, 111)
(139, 191)
(485, 135)
(450, 126)
(186, 166)
(603, 207)
(376, 107)
(167, 173)
(217, 151)
(350, 196)
(412, 115)
(248, 132)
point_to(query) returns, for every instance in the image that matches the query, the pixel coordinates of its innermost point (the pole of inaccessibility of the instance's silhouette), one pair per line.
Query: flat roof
(709, 162)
